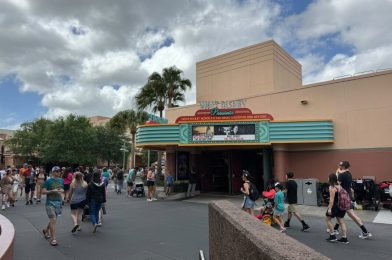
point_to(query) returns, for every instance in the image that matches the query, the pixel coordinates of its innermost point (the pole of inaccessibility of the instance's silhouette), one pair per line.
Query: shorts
(248, 203)
(291, 208)
(29, 187)
(278, 213)
(52, 211)
(169, 184)
(78, 205)
(66, 186)
(129, 184)
(336, 213)
(150, 183)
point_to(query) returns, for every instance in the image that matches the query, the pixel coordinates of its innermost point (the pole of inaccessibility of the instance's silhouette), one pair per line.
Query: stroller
(367, 193)
(138, 189)
(266, 214)
(385, 189)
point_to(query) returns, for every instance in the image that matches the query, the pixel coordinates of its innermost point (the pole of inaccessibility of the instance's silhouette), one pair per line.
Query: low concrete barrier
(234, 234)
(7, 237)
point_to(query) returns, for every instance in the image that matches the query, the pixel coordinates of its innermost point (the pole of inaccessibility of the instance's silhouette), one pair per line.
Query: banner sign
(223, 133)
(153, 119)
(218, 114)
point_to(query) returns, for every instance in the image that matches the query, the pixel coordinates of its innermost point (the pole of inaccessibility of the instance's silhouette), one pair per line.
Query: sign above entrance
(223, 104)
(220, 114)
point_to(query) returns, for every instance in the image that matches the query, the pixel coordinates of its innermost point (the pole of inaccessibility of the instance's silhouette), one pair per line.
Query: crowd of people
(341, 202)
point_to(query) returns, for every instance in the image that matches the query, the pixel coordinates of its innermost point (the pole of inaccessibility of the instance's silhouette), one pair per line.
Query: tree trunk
(132, 165)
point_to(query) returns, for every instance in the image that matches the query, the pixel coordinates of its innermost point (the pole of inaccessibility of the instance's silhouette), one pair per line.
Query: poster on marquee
(227, 132)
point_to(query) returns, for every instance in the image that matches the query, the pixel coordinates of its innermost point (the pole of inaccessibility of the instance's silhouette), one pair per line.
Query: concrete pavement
(169, 229)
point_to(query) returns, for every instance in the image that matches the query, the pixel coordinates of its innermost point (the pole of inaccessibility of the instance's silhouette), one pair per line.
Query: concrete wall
(234, 234)
(7, 238)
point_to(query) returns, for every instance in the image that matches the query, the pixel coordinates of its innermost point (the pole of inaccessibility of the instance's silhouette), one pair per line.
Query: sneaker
(365, 235)
(3, 207)
(305, 228)
(99, 224)
(335, 232)
(286, 224)
(343, 240)
(332, 238)
(7, 204)
(27, 202)
(154, 199)
(95, 228)
(282, 230)
(149, 199)
(31, 202)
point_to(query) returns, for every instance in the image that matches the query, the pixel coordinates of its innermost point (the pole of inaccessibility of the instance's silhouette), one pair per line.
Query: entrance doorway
(221, 171)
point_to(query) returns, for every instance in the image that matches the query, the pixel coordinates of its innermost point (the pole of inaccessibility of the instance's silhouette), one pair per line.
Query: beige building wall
(359, 106)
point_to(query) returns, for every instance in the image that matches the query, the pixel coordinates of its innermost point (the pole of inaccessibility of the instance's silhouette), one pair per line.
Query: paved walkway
(166, 229)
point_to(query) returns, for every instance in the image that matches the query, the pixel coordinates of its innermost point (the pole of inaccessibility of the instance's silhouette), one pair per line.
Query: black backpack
(120, 175)
(253, 192)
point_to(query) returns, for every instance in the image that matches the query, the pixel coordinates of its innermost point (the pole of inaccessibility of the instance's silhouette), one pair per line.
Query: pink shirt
(68, 180)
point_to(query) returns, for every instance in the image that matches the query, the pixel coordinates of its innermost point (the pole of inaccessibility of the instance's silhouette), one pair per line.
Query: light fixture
(304, 102)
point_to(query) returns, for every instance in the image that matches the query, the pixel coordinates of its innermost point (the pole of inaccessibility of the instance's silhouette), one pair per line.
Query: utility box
(300, 197)
(309, 191)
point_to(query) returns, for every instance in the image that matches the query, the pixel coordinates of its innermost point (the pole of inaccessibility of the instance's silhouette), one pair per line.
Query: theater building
(253, 112)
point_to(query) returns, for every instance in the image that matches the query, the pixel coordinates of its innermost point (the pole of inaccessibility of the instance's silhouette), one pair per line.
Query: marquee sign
(223, 114)
(223, 132)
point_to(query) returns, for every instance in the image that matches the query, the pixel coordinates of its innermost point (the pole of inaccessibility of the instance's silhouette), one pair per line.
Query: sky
(91, 57)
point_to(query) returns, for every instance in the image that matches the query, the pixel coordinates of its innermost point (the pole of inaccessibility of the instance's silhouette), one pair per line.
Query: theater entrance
(221, 171)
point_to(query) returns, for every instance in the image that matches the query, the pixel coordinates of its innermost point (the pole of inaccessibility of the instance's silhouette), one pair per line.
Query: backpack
(344, 200)
(253, 192)
(120, 175)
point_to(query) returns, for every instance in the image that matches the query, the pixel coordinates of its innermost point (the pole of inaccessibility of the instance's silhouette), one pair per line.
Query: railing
(7, 237)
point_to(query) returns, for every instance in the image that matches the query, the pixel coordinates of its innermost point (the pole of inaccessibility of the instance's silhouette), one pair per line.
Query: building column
(280, 164)
(267, 169)
(170, 166)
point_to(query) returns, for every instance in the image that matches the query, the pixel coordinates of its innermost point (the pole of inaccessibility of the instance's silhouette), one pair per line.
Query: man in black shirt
(291, 187)
(345, 179)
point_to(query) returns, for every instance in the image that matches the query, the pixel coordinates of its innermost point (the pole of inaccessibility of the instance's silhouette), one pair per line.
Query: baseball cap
(55, 168)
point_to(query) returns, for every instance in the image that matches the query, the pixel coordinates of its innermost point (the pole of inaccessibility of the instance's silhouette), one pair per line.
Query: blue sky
(74, 57)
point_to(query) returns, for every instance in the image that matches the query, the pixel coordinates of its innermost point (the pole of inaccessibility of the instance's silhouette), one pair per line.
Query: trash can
(309, 191)
(300, 197)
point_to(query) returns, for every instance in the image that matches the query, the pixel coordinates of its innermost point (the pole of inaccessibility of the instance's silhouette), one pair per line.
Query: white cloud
(73, 52)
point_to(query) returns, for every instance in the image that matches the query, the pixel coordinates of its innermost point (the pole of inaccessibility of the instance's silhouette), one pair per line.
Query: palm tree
(129, 120)
(162, 91)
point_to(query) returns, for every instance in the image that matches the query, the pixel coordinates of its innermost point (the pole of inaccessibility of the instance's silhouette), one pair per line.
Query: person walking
(130, 180)
(334, 211)
(28, 180)
(106, 176)
(192, 183)
(77, 193)
(248, 204)
(67, 178)
(151, 184)
(291, 188)
(53, 188)
(6, 189)
(41, 178)
(169, 183)
(279, 206)
(345, 181)
(96, 195)
(120, 181)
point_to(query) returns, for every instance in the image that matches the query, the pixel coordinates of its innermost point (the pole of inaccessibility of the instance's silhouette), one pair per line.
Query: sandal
(46, 235)
(54, 242)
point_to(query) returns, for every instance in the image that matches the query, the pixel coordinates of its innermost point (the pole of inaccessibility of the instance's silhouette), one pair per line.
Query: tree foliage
(67, 141)
(128, 120)
(164, 90)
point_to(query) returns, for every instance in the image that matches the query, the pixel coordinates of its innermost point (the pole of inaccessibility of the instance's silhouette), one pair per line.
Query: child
(169, 183)
(279, 206)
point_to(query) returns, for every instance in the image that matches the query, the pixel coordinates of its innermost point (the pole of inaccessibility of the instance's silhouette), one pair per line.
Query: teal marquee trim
(265, 132)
